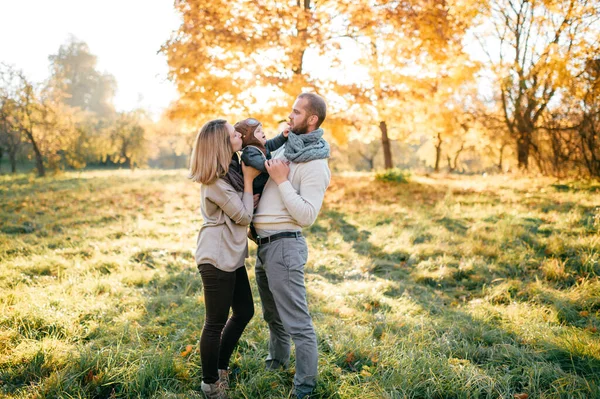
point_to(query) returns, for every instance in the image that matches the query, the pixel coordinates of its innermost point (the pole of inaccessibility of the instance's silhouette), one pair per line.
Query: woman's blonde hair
(212, 153)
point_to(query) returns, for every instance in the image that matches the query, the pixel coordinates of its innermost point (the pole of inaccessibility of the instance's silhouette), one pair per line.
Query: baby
(256, 149)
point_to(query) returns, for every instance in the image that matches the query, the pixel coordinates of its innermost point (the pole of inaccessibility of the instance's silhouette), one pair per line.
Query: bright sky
(125, 35)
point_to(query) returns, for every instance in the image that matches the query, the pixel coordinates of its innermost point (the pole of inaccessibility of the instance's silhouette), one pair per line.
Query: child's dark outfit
(254, 153)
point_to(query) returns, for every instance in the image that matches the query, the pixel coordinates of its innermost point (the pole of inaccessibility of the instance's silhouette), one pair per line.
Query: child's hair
(212, 153)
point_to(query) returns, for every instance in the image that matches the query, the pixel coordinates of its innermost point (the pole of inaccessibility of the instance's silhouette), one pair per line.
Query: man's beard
(301, 129)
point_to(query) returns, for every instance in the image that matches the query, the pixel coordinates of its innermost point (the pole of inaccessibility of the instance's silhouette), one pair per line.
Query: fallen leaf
(584, 313)
(90, 376)
(350, 358)
(521, 396)
(187, 351)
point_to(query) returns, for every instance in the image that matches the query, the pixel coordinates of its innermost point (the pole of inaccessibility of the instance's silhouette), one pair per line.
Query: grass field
(481, 287)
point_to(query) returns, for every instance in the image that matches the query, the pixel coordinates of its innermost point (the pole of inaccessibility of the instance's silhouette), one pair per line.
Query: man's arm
(303, 206)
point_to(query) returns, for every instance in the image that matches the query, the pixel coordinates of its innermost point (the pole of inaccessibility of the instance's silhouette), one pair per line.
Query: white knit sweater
(293, 204)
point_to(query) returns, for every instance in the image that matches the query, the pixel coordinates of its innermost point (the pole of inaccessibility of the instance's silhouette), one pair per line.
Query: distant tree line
(69, 121)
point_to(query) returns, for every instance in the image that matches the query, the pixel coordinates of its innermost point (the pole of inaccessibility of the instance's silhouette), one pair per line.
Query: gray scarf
(306, 147)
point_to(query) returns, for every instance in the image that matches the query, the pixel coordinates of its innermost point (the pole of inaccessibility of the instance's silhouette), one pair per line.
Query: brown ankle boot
(224, 378)
(214, 391)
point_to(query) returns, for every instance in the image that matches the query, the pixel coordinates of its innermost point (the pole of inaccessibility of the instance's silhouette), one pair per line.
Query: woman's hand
(249, 172)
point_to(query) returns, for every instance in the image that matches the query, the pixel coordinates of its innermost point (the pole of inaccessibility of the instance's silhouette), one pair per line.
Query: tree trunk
(438, 153)
(452, 168)
(12, 156)
(523, 147)
(301, 39)
(39, 160)
(368, 158)
(385, 143)
(501, 160)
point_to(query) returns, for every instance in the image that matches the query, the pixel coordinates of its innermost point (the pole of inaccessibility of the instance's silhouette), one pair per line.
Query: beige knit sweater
(293, 204)
(222, 240)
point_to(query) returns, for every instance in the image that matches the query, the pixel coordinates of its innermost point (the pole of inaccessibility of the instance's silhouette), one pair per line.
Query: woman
(227, 207)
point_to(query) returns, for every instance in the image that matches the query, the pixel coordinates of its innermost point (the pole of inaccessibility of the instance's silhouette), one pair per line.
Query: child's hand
(286, 131)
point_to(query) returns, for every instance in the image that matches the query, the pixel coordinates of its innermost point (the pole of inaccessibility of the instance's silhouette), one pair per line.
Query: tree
(74, 75)
(541, 45)
(20, 97)
(57, 133)
(570, 138)
(589, 125)
(230, 57)
(87, 95)
(403, 47)
(169, 143)
(10, 138)
(128, 139)
(261, 50)
(38, 116)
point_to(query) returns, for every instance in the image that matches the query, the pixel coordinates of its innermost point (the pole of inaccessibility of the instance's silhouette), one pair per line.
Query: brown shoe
(214, 391)
(224, 378)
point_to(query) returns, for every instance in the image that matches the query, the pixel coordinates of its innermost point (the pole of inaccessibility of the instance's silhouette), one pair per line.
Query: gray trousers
(280, 279)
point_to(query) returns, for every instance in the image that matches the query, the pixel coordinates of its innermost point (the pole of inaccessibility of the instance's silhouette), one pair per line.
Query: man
(292, 198)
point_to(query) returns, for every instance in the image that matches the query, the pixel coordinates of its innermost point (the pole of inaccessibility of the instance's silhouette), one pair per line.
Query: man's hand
(278, 170)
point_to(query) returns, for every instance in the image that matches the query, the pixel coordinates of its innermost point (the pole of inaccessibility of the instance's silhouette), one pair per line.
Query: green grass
(434, 288)
(392, 175)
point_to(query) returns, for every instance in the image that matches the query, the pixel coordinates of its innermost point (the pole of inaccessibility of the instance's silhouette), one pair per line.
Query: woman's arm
(223, 195)
(239, 210)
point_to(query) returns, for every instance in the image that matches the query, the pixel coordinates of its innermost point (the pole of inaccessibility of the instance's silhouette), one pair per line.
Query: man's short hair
(316, 106)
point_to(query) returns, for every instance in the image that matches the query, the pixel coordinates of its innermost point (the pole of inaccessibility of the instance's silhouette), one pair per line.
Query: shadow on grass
(453, 225)
(360, 239)
(529, 364)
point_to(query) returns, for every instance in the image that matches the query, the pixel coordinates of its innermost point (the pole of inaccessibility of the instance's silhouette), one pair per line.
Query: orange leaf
(584, 313)
(90, 376)
(350, 358)
(521, 396)
(187, 351)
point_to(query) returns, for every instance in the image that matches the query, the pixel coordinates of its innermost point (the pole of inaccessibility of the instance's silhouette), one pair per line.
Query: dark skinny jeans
(222, 291)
